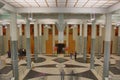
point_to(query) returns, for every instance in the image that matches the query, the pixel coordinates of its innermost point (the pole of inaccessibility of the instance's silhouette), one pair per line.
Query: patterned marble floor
(49, 68)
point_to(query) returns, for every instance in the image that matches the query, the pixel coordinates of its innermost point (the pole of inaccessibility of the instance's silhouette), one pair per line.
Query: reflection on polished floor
(48, 67)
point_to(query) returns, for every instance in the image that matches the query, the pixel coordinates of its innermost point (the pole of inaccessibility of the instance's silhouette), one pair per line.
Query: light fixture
(47, 26)
(30, 17)
(92, 17)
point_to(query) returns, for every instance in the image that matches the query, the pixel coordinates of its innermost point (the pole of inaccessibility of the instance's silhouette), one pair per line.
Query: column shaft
(93, 45)
(118, 50)
(81, 39)
(40, 38)
(28, 52)
(107, 46)
(1, 41)
(35, 41)
(20, 38)
(85, 41)
(13, 45)
(100, 41)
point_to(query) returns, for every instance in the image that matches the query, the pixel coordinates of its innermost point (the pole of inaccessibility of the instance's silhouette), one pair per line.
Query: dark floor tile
(34, 74)
(48, 66)
(60, 60)
(5, 69)
(87, 74)
(115, 70)
(40, 59)
(82, 61)
(73, 66)
(97, 65)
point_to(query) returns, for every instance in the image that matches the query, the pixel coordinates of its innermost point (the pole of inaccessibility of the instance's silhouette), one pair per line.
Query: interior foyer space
(59, 40)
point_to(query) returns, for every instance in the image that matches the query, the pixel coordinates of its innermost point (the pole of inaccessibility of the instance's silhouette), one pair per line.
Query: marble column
(1, 40)
(107, 45)
(36, 40)
(28, 50)
(14, 45)
(67, 38)
(81, 39)
(53, 34)
(100, 41)
(20, 38)
(61, 27)
(118, 50)
(40, 38)
(93, 45)
(85, 42)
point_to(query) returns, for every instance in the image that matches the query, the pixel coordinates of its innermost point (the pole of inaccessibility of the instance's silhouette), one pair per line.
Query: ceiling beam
(114, 8)
(62, 10)
(7, 7)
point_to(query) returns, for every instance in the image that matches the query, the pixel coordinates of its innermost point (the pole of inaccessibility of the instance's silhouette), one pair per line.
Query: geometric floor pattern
(60, 60)
(48, 66)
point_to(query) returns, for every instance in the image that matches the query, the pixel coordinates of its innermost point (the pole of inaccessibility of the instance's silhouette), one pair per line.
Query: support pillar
(14, 45)
(53, 34)
(118, 50)
(1, 41)
(93, 45)
(81, 40)
(35, 41)
(67, 38)
(20, 38)
(28, 51)
(107, 45)
(40, 38)
(85, 42)
(100, 41)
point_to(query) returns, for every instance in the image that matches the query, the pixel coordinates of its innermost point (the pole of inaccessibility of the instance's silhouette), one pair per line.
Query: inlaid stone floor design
(80, 59)
(47, 66)
(34, 74)
(73, 66)
(5, 69)
(60, 60)
(87, 74)
(40, 59)
(115, 70)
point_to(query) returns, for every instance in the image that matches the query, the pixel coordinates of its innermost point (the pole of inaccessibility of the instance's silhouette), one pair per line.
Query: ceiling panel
(16, 4)
(19, 1)
(9, 0)
(30, 1)
(50, 1)
(72, 1)
(40, 1)
(25, 4)
(70, 4)
(62, 3)
(52, 4)
(34, 4)
(42, 4)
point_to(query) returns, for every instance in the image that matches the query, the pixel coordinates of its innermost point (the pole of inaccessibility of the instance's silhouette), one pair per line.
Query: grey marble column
(20, 38)
(14, 45)
(1, 41)
(85, 42)
(107, 45)
(81, 41)
(40, 39)
(93, 45)
(35, 41)
(100, 42)
(28, 51)
(118, 50)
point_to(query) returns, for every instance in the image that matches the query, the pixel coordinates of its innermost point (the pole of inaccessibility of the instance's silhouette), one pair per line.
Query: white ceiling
(62, 3)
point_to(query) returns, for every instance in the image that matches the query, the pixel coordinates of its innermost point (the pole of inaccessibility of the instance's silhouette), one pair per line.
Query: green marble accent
(92, 54)
(14, 54)
(106, 59)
